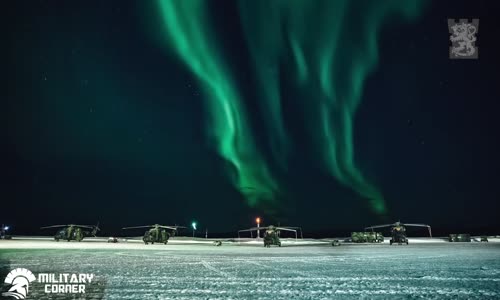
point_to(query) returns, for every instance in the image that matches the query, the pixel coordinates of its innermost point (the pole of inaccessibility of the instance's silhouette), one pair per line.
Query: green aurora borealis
(329, 47)
(186, 28)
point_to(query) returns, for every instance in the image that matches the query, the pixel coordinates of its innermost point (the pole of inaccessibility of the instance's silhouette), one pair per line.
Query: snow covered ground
(427, 270)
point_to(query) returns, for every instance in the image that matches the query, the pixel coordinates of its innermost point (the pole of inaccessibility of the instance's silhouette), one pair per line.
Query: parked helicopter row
(73, 232)
(161, 234)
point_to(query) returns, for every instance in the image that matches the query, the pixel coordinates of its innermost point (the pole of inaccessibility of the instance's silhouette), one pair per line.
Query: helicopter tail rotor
(96, 229)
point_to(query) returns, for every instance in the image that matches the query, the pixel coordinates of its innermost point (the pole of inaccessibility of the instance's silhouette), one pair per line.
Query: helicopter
(3, 233)
(398, 231)
(272, 234)
(74, 232)
(157, 233)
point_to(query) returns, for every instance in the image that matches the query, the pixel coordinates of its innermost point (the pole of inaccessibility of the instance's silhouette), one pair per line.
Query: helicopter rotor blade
(68, 225)
(416, 225)
(253, 229)
(134, 227)
(84, 226)
(379, 226)
(54, 226)
(420, 225)
(299, 229)
(156, 225)
(285, 229)
(167, 227)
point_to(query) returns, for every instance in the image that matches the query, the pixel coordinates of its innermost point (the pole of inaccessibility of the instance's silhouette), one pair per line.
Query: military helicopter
(157, 233)
(271, 234)
(3, 233)
(398, 231)
(74, 232)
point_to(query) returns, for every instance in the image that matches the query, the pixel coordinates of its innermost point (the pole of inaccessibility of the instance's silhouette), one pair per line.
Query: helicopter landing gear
(400, 242)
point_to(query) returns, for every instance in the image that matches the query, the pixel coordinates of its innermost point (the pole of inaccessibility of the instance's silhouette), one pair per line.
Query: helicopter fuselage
(156, 235)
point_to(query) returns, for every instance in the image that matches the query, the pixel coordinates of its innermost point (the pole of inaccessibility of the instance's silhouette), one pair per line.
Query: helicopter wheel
(390, 242)
(57, 240)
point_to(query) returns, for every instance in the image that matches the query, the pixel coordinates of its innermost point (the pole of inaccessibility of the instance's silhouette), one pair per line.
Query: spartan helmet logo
(20, 279)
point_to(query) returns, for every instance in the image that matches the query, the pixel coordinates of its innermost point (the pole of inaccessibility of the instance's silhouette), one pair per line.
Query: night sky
(138, 112)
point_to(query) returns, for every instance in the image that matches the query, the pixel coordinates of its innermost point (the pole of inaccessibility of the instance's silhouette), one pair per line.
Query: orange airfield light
(258, 225)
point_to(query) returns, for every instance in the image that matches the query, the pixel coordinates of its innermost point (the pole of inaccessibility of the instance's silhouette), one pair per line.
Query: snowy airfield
(303, 269)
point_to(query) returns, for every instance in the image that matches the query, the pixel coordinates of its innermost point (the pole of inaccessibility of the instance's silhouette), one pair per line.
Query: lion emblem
(463, 38)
